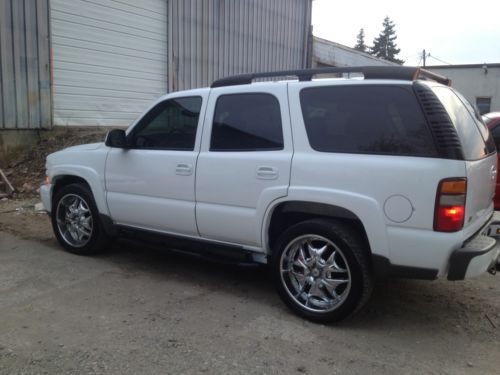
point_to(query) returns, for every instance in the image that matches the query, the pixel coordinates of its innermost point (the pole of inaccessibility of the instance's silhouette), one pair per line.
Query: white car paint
(234, 186)
(223, 199)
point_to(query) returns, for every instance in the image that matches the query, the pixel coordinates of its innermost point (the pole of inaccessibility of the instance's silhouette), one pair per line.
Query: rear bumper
(480, 254)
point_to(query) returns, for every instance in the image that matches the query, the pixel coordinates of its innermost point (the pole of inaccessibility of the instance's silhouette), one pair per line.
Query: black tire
(307, 286)
(78, 219)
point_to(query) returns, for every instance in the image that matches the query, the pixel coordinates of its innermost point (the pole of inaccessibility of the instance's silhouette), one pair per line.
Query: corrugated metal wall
(210, 39)
(109, 58)
(24, 65)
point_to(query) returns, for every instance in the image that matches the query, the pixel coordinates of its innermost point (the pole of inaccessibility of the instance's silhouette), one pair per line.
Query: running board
(199, 247)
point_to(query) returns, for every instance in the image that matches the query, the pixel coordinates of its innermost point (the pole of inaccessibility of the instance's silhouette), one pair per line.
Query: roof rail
(406, 73)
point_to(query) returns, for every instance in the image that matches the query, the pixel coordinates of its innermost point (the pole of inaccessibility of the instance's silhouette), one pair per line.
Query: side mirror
(116, 138)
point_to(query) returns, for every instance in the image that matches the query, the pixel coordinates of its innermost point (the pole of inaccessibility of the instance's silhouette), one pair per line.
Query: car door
(244, 162)
(150, 184)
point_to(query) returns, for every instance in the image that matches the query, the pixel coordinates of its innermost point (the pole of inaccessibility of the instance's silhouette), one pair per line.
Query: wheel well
(61, 181)
(290, 213)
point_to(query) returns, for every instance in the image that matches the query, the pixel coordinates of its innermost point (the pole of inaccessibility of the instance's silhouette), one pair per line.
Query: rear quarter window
(474, 135)
(366, 119)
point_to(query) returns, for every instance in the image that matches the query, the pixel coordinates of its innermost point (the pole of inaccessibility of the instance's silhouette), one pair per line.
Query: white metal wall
(109, 59)
(210, 39)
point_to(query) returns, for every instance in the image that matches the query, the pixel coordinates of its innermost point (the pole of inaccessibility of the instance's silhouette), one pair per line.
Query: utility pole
(423, 56)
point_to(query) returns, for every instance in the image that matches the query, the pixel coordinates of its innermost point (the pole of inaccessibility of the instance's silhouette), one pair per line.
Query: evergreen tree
(384, 46)
(360, 43)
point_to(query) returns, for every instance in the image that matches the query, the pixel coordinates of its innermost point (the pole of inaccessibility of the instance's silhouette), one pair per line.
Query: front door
(150, 185)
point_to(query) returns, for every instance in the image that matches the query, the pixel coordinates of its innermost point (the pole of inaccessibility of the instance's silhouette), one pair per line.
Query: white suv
(331, 181)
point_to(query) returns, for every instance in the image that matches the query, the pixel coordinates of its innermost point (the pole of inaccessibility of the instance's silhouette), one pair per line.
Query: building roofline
(349, 49)
(463, 66)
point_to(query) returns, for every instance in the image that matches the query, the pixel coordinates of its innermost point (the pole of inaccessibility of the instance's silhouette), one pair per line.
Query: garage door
(109, 59)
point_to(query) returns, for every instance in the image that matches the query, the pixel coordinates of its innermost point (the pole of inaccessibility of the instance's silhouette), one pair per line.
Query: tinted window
(170, 125)
(365, 119)
(468, 126)
(247, 122)
(481, 125)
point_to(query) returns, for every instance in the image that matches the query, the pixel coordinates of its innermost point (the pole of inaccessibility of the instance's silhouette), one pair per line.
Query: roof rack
(406, 73)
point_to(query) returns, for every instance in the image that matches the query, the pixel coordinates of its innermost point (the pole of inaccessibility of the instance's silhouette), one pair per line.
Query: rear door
(244, 163)
(479, 153)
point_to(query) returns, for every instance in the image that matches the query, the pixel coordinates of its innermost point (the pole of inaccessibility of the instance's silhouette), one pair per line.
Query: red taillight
(450, 205)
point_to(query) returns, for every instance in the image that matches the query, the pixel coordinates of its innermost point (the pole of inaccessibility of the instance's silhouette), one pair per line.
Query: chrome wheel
(315, 273)
(74, 220)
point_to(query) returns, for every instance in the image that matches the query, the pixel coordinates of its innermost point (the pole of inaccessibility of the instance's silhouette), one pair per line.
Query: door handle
(267, 173)
(184, 169)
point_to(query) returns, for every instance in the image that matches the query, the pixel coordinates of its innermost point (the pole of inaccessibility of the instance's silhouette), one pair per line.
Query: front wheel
(321, 270)
(75, 220)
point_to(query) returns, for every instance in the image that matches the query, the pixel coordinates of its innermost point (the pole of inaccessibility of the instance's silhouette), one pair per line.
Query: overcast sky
(455, 32)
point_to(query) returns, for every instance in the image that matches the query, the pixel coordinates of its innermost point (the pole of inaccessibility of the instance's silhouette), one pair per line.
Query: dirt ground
(25, 167)
(142, 310)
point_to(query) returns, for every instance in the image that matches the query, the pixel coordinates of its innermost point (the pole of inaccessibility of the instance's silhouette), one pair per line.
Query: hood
(85, 147)
(70, 152)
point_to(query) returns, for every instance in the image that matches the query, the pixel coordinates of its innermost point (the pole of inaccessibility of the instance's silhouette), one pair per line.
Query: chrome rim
(315, 273)
(74, 220)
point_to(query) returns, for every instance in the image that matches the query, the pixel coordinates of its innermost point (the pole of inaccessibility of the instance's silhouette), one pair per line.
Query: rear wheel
(321, 270)
(75, 220)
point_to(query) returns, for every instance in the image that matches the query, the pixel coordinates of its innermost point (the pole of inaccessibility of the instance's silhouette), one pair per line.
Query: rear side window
(247, 122)
(366, 119)
(474, 136)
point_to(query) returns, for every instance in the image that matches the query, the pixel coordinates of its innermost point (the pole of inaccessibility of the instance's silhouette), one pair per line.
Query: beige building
(479, 83)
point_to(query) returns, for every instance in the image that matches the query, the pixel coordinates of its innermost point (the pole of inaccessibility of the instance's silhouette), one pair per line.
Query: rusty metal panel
(7, 66)
(22, 51)
(209, 39)
(33, 96)
(44, 62)
(19, 54)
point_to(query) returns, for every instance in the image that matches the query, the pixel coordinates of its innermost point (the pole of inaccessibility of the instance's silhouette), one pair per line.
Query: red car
(492, 121)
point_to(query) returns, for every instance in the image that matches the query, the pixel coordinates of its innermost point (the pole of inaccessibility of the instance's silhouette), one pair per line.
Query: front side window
(247, 122)
(365, 119)
(170, 125)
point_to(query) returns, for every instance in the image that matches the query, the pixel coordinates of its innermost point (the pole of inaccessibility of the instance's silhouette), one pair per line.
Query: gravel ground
(142, 310)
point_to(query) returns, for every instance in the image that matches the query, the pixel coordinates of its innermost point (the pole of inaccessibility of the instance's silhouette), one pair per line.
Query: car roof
(405, 73)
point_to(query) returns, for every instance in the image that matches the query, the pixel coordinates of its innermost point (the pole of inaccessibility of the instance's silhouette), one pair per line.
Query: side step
(206, 249)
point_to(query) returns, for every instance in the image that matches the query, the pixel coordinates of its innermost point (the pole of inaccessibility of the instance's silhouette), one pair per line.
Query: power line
(442, 61)
(413, 57)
